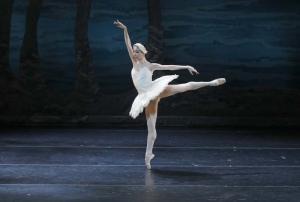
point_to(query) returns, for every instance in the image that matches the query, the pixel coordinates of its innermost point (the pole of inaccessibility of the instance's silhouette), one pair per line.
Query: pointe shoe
(218, 82)
(148, 159)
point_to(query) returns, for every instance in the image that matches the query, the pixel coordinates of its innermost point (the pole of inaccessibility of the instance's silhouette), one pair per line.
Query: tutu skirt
(153, 90)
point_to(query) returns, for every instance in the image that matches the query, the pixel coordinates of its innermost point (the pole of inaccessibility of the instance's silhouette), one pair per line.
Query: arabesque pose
(151, 91)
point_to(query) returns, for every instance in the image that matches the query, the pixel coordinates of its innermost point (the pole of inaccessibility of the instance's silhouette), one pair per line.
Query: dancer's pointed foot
(218, 82)
(148, 158)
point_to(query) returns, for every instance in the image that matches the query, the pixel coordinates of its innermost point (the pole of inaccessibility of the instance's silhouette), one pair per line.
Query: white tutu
(151, 92)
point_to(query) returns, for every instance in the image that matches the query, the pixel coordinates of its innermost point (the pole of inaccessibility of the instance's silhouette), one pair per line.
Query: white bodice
(142, 78)
(147, 88)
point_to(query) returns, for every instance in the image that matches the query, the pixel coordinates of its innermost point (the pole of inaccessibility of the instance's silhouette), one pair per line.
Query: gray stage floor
(108, 165)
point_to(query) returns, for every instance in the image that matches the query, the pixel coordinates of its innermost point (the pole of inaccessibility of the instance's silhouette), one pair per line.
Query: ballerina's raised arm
(127, 39)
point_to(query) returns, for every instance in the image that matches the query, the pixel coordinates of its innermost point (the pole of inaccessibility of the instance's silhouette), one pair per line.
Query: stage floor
(108, 165)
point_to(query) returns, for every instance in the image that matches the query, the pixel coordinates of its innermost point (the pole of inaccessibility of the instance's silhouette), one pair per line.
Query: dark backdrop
(56, 71)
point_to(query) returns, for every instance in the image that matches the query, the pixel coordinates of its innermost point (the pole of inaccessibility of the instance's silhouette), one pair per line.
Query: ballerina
(150, 92)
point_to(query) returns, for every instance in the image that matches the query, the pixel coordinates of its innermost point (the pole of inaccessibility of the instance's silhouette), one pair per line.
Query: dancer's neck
(142, 61)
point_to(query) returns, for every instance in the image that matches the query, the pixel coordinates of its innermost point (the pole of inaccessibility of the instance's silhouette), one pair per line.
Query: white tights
(151, 110)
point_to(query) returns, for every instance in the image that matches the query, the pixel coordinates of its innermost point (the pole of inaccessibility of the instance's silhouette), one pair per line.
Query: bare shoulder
(134, 63)
(153, 66)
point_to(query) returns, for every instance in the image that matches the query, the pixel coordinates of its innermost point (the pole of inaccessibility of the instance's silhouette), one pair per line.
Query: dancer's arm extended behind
(157, 66)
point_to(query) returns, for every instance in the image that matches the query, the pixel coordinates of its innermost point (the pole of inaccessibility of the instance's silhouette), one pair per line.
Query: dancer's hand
(192, 70)
(120, 25)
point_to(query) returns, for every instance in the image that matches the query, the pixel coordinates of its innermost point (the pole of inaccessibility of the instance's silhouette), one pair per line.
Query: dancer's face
(137, 53)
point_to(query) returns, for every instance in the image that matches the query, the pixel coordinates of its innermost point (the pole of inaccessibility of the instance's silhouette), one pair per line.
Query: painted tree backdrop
(65, 57)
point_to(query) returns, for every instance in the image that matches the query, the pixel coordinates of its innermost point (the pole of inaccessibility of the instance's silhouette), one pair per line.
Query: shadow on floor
(157, 175)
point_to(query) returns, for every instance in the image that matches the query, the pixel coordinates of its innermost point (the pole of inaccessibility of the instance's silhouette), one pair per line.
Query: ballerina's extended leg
(151, 115)
(151, 110)
(192, 85)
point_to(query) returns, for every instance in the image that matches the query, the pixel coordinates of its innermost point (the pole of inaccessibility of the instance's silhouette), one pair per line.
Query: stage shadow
(184, 174)
(177, 176)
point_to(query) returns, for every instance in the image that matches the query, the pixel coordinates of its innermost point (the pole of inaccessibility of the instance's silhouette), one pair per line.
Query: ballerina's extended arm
(127, 38)
(156, 66)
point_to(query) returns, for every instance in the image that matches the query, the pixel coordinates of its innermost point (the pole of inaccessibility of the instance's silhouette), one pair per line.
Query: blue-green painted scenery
(254, 44)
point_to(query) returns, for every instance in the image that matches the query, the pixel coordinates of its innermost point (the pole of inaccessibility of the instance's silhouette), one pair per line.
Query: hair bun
(141, 47)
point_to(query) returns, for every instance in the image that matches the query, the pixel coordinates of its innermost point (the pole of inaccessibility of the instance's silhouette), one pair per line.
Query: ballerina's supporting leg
(151, 110)
(173, 89)
(151, 116)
